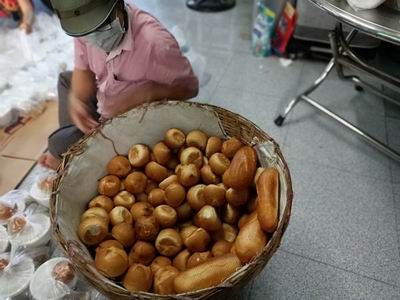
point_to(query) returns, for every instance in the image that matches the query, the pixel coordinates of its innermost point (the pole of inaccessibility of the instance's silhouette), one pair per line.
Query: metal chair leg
(281, 118)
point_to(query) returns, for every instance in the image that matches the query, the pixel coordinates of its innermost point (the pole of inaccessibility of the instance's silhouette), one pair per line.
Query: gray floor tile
(314, 137)
(340, 96)
(395, 166)
(265, 76)
(259, 108)
(393, 130)
(290, 276)
(392, 110)
(217, 62)
(344, 220)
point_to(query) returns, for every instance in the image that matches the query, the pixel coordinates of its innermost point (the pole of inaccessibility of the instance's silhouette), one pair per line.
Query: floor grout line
(299, 159)
(340, 268)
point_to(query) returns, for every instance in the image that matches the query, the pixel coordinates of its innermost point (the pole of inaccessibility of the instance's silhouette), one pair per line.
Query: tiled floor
(343, 238)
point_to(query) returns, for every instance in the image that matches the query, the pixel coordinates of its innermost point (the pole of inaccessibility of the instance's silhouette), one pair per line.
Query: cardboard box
(12, 171)
(27, 139)
(22, 143)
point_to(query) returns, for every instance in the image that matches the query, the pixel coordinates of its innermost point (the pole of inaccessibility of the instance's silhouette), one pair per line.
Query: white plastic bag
(364, 4)
(31, 228)
(16, 270)
(11, 204)
(53, 280)
(197, 61)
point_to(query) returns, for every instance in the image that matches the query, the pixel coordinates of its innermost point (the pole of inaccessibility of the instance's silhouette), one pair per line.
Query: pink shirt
(148, 52)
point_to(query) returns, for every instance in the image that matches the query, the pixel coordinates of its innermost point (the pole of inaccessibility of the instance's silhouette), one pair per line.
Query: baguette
(208, 274)
(267, 204)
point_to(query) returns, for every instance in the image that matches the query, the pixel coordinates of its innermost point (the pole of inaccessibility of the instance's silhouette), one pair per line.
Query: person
(123, 58)
(20, 11)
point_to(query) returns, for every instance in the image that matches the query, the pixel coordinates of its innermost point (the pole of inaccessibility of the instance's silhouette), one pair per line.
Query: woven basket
(86, 161)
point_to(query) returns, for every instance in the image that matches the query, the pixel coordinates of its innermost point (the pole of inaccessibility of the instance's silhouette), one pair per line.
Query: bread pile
(181, 216)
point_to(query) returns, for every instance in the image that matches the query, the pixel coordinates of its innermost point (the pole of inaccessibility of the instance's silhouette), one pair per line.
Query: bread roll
(111, 262)
(141, 209)
(209, 274)
(237, 197)
(156, 197)
(120, 214)
(195, 196)
(174, 138)
(124, 198)
(168, 242)
(175, 194)
(208, 218)
(156, 172)
(92, 231)
(188, 175)
(242, 169)
(164, 280)
(267, 204)
(197, 138)
(124, 233)
(214, 145)
(102, 202)
(219, 163)
(135, 182)
(180, 261)
(230, 147)
(142, 253)
(165, 215)
(191, 155)
(109, 186)
(147, 228)
(159, 262)
(119, 166)
(251, 240)
(139, 278)
(139, 155)
(208, 176)
(198, 258)
(162, 153)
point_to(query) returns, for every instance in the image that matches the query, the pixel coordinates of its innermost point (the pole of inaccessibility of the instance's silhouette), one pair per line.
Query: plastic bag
(12, 203)
(30, 228)
(16, 270)
(42, 188)
(364, 4)
(53, 280)
(197, 61)
(3, 239)
(262, 31)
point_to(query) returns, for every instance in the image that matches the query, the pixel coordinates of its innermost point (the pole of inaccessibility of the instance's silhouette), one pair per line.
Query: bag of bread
(31, 228)
(16, 270)
(55, 279)
(11, 203)
(42, 188)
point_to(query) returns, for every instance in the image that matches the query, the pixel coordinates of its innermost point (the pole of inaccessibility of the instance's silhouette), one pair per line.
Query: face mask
(107, 39)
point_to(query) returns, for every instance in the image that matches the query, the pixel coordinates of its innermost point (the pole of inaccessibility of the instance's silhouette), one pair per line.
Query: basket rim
(77, 149)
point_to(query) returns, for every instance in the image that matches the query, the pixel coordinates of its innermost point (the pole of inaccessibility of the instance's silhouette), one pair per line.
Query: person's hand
(25, 27)
(80, 114)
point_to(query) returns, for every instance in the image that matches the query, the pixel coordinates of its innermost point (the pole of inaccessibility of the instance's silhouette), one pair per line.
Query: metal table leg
(281, 118)
(342, 55)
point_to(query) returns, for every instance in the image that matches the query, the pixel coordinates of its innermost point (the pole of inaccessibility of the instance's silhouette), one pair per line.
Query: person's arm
(83, 88)
(27, 15)
(83, 84)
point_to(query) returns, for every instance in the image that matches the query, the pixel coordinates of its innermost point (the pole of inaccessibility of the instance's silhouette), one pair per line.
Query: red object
(8, 7)
(284, 29)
